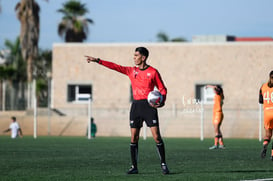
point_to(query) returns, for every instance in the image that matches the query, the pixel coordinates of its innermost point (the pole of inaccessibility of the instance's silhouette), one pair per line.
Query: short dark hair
(219, 91)
(143, 51)
(13, 118)
(269, 81)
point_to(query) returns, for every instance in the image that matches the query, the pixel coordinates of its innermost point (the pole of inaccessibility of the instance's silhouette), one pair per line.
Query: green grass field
(105, 158)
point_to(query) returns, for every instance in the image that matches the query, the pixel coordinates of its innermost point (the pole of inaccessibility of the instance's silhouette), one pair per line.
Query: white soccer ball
(155, 97)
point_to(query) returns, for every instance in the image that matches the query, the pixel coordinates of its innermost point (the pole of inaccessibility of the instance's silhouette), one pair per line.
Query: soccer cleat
(132, 170)
(213, 147)
(222, 147)
(165, 169)
(263, 152)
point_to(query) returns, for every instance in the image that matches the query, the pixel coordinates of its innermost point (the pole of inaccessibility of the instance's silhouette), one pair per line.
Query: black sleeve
(261, 99)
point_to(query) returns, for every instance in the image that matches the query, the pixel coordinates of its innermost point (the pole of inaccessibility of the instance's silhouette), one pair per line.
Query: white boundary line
(265, 179)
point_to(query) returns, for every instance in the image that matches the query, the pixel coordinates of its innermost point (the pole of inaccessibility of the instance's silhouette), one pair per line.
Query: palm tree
(163, 37)
(28, 14)
(15, 61)
(13, 76)
(74, 27)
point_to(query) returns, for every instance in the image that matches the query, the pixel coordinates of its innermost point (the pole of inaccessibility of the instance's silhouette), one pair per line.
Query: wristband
(98, 60)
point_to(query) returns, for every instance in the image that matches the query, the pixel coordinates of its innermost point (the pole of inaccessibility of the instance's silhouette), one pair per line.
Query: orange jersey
(266, 97)
(217, 117)
(217, 110)
(218, 102)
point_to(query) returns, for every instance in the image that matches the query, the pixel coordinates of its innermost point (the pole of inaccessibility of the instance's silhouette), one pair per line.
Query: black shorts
(142, 111)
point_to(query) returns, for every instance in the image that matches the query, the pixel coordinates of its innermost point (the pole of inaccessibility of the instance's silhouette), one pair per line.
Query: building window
(203, 94)
(79, 92)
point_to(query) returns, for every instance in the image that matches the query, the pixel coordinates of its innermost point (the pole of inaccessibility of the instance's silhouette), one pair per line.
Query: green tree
(74, 27)
(13, 74)
(15, 61)
(163, 37)
(43, 65)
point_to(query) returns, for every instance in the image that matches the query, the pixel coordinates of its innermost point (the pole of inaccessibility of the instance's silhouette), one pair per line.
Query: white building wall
(241, 67)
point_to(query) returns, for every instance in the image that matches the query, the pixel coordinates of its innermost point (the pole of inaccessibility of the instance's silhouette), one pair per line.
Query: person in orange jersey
(266, 98)
(217, 116)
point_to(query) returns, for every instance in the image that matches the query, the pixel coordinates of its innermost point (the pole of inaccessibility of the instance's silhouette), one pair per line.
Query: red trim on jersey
(143, 81)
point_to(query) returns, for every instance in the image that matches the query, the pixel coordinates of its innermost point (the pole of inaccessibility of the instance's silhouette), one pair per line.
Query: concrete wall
(237, 124)
(240, 67)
